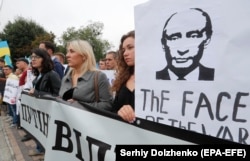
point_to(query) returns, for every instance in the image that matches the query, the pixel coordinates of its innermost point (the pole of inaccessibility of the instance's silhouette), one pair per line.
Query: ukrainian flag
(4, 48)
(5, 51)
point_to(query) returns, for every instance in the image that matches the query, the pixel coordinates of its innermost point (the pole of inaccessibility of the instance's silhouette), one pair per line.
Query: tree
(44, 37)
(93, 34)
(22, 35)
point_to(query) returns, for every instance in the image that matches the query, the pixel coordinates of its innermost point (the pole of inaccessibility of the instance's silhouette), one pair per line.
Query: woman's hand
(127, 113)
(31, 91)
(70, 100)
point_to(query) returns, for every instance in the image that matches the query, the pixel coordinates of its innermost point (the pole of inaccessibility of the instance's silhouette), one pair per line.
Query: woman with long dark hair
(46, 81)
(124, 83)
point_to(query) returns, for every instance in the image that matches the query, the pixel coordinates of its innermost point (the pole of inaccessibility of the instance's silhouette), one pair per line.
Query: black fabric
(2, 82)
(124, 97)
(181, 78)
(68, 94)
(204, 74)
(48, 83)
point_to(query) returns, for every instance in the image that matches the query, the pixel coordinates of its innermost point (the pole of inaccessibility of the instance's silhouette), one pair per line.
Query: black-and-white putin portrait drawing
(185, 36)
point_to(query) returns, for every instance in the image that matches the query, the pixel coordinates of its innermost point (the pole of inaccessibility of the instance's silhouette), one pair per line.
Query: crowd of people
(74, 81)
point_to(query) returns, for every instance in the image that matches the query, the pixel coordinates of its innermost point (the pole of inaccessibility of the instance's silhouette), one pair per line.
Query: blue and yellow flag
(4, 48)
(5, 51)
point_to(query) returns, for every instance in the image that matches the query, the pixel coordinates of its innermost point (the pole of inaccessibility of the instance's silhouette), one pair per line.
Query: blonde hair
(84, 48)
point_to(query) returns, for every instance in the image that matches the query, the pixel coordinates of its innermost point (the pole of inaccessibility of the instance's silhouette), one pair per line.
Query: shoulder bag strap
(96, 86)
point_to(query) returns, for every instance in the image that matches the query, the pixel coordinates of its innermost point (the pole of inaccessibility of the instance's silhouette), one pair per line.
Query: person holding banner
(46, 81)
(10, 92)
(184, 46)
(22, 64)
(124, 83)
(84, 82)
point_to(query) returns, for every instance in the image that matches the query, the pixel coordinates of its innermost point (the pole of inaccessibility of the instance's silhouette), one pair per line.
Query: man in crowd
(102, 64)
(61, 57)
(50, 48)
(11, 103)
(111, 60)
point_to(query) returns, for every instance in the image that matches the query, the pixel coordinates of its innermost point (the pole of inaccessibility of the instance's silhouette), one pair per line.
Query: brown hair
(123, 71)
(2, 60)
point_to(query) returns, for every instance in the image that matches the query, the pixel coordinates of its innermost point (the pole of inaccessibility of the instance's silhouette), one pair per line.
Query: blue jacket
(58, 67)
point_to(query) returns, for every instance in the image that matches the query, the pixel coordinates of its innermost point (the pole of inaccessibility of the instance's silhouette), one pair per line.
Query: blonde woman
(79, 82)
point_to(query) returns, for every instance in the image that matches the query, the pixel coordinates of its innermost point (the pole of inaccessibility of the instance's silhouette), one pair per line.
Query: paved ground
(11, 146)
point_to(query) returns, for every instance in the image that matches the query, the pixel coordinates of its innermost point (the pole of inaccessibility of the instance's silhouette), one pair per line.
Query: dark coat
(49, 83)
(58, 67)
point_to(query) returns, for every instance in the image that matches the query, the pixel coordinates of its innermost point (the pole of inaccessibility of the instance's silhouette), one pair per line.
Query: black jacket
(48, 83)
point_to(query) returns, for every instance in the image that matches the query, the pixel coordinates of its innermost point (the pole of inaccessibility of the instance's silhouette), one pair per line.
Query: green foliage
(93, 34)
(22, 35)
(44, 37)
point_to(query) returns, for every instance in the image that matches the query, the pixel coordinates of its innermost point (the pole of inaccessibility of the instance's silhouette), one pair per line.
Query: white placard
(217, 104)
